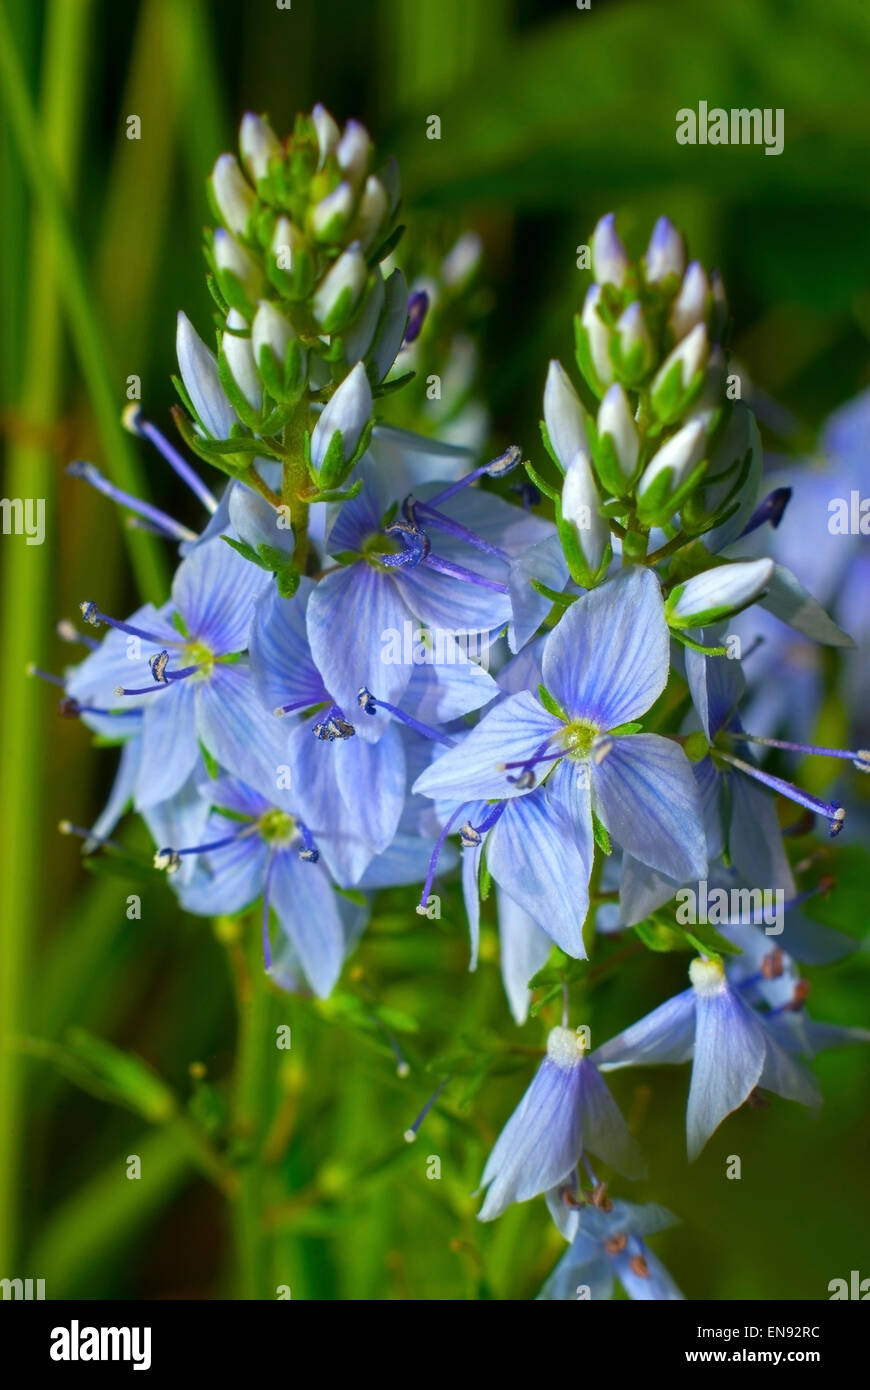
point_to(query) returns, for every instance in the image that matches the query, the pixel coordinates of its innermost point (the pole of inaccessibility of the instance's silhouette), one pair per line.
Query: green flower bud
(670, 474)
(618, 444)
(258, 145)
(631, 346)
(332, 215)
(681, 376)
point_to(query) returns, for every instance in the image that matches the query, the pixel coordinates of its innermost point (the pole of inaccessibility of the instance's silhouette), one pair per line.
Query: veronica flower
(567, 1110)
(202, 693)
(604, 664)
(732, 1047)
(609, 1247)
(252, 848)
(340, 779)
(442, 561)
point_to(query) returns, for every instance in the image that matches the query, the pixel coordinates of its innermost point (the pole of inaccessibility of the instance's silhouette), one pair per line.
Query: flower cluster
(307, 718)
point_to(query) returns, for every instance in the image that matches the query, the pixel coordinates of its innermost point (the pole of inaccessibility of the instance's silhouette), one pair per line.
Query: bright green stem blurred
(64, 258)
(256, 1061)
(26, 569)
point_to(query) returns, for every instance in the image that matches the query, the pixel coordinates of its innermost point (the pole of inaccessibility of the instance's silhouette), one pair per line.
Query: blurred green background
(550, 116)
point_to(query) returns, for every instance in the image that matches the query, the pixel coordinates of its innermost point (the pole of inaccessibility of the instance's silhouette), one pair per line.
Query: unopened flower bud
(563, 416)
(461, 260)
(669, 470)
(374, 209)
(692, 302)
(340, 290)
(665, 254)
(343, 419)
(579, 510)
(232, 194)
(328, 133)
(256, 522)
(680, 376)
(353, 150)
(609, 260)
(618, 441)
(596, 335)
(281, 360)
(718, 593)
(635, 351)
(258, 144)
(199, 373)
(331, 218)
(239, 357)
(240, 277)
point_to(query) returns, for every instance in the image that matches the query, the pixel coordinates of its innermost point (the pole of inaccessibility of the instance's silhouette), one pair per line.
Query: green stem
(75, 293)
(26, 576)
(254, 1071)
(295, 480)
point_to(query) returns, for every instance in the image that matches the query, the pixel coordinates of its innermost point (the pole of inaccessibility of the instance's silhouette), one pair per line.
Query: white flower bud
(199, 372)
(599, 335)
(373, 212)
(349, 273)
(270, 329)
(328, 133)
(690, 306)
(333, 213)
(347, 411)
(239, 356)
(609, 260)
(256, 522)
(359, 335)
(719, 592)
(666, 254)
(691, 354)
(633, 333)
(229, 255)
(682, 452)
(258, 144)
(615, 419)
(563, 416)
(232, 193)
(353, 150)
(580, 502)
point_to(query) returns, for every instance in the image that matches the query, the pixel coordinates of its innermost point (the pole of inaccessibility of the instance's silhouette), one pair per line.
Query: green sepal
(550, 703)
(545, 436)
(543, 487)
(334, 494)
(386, 388)
(212, 766)
(234, 292)
(583, 356)
(671, 399)
(601, 835)
(387, 246)
(608, 468)
(658, 504)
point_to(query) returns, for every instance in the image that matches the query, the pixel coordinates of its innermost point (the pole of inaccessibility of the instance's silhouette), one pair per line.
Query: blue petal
(584, 1265)
(608, 658)
(717, 685)
(179, 823)
(605, 1132)
(229, 879)
(170, 749)
(755, 837)
(665, 1035)
(656, 1284)
(642, 890)
(121, 794)
(540, 1143)
(439, 692)
(525, 948)
(788, 600)
(237, 731)
(314, 795)
(371, 781)
(214, 590)
(546, 563)
(351, 614)
(646, 795)
(544, 863)
(281, 662)
(306, 906)
(514, 731)
(730, 1049)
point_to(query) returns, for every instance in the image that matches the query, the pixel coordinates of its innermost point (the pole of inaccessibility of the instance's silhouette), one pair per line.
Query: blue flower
(341, 780)
(603, 666)
(609, 1246)
(732, 1047)
(567, 1110)
(442, 561)
(252, 848)
(200, 695)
